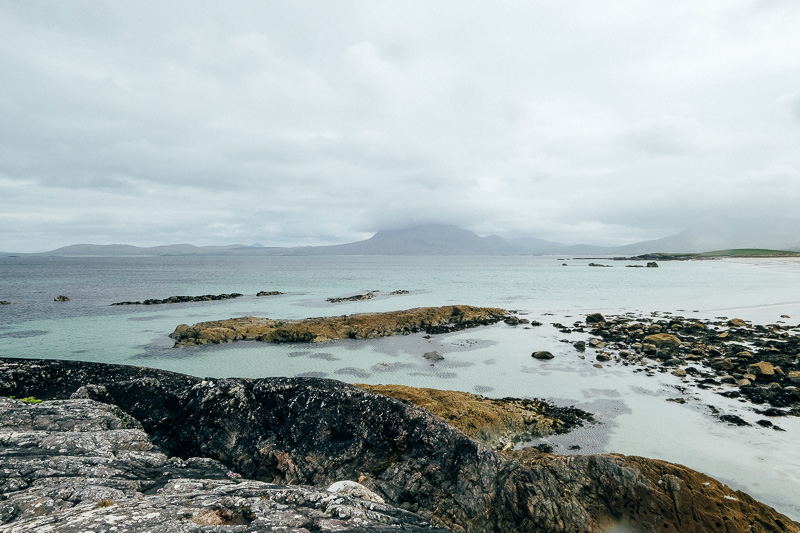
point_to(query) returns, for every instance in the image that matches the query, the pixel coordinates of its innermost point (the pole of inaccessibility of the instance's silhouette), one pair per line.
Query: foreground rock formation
(316, 432)
(361, 326)
(80, 465)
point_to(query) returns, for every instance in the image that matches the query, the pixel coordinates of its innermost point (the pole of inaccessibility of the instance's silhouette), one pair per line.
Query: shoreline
(283, 430)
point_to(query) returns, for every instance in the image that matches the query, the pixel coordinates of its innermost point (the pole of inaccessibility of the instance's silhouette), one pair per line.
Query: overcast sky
(296, 123)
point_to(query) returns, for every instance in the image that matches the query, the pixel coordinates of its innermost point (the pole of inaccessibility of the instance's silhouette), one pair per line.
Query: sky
(307, 123)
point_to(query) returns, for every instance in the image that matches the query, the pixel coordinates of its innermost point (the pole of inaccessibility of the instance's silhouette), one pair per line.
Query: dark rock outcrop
(359, 326)
(184, 299)
(61, 298)
(311, 431)
(269, 293)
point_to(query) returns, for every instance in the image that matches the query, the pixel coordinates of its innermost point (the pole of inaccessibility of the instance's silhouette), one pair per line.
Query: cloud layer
(319, 123)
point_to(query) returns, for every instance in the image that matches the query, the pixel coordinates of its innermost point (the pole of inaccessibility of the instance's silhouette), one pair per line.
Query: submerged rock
(61, 298)
(433, 356)
(317, 432)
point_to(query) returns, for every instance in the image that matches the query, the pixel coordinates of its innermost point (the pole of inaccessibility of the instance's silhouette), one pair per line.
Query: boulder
(543, 354)
(603, 356)
(595, 318)
(737, 323)
(433, 356)
(762, 368)
(663, 341)
(61, 298)
(652, 264)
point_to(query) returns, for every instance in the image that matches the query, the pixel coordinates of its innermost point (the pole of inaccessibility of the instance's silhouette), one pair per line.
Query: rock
(794, 376)
(511, 320)
(433, 356)
(355, 298)
(184, 299)
(317, 432)
(744, 382)
(61, 298)
(679, 372)
(599, 265)
(722, 363)
(762, 368)
(494, 422)
(5, 302)
(71, 463)
(269, 293)
(663, 341)
(652, 264)
(543, 354)
(357, 326)
(737, 323)
(595, 318)
(603, 356)
(580, 346)
(355, 490)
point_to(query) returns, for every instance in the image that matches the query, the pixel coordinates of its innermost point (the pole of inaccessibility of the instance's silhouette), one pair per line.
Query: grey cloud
(319, 123)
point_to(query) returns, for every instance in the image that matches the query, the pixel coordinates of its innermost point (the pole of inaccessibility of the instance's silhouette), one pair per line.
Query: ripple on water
(23, 334)
(480, 389)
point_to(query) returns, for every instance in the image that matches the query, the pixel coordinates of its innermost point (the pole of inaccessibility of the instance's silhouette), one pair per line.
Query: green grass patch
(29, 399)
(749, 252)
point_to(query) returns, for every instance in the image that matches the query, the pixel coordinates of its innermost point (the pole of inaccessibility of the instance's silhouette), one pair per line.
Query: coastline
(311, 431)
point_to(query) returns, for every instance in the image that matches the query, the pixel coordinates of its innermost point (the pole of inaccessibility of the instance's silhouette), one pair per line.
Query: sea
(632, 412)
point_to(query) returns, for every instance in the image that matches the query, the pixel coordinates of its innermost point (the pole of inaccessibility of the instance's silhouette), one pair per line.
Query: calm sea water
(635, 417)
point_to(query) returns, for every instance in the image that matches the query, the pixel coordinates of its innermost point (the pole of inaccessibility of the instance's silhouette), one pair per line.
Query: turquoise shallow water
(494, 361)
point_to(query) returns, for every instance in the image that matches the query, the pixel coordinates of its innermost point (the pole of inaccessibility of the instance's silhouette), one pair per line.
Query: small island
(358, 326)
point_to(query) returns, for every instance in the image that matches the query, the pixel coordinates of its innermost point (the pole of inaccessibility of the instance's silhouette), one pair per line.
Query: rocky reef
(184, 299)
(316, 432)
(360, 326)
(756, 363)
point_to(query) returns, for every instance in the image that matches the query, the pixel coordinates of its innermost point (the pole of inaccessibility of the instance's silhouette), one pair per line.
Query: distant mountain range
(442, 239)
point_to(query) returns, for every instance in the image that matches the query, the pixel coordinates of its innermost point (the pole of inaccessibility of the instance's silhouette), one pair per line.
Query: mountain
(773, 233)
(430, 239)
(128, 250)
(710, 234)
